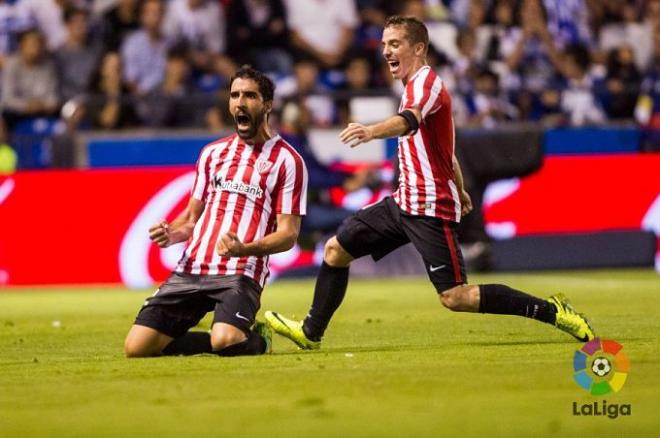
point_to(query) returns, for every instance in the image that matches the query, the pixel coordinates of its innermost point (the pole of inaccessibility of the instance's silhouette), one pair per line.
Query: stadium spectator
(367, 35)
(29, 82)
(305, 87)
(578, 100)
(11, 24)
(535, 57)
(77, 58)
(257, 34)
(99, 7)
(425, 209)
(250, 190)
(622, 84)
(199, 26)
(497, 42)
(48, 17)
(144, 52)
(110, 106)
(322, 30)
(357, 84)
(548, 110)
(567, 22)
(627, 29)
(465, 65)
(459, 11)
(169, 104)
(486, 106)
(647, 110)
(118, 22)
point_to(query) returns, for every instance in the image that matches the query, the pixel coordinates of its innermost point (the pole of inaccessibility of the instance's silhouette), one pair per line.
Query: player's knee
(135, 348)
(335, 255)
(224, 338)
(460, 298)
(449, 299)
(454, 298)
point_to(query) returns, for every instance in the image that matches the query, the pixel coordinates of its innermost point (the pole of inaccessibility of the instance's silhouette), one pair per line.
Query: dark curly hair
(266, 86)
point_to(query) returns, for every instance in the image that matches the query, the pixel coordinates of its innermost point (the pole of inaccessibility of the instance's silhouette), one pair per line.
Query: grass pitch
(393, 363)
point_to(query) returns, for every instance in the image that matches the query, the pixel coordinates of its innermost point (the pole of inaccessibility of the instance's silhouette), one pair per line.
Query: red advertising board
(66, 227)
(75, 226)
(579, 194)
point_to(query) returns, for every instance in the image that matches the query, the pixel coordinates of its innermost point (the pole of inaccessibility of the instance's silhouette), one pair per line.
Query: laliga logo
(601, 367)
(134, 250)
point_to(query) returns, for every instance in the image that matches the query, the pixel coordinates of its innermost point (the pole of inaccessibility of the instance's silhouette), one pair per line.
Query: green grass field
(394, 363)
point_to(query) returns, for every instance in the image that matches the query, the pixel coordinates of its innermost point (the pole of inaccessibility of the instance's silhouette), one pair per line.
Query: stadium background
(557, 106)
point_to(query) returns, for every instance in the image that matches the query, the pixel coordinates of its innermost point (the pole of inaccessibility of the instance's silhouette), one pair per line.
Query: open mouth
(394, 67)
(242, 120)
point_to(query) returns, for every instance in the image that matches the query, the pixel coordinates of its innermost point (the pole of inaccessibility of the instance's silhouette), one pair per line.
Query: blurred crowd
(111, 64)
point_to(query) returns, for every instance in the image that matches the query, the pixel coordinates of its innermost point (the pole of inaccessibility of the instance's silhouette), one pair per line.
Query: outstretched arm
(165, 234)
(283, 239)
(356, 133)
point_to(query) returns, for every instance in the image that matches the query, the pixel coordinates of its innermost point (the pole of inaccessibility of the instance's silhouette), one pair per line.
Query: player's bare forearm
(458, 174)
(180, 229)
(466, 201)
(283, 239)
(279, 241)
(395, 126)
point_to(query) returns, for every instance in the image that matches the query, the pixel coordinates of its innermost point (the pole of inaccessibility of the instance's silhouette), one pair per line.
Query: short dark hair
(416, 31)
(266, 86)
(580, 55)
(70, 13)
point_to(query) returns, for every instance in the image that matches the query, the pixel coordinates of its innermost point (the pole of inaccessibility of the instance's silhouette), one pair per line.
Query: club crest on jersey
(263, 166)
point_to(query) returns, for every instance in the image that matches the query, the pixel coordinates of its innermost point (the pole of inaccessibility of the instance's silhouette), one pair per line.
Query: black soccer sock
(503, 300)
(254, 344)
(329, 292)
(189, 344)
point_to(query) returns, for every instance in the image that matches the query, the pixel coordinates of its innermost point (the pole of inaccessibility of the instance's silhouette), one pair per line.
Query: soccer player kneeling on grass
(247, 201)
(425, 209)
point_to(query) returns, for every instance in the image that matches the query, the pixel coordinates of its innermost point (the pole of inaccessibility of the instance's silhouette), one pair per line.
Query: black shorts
(183, 300)
(381, 228)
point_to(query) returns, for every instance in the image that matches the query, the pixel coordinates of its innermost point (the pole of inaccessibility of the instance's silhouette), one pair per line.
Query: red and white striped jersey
(243, 188)
(426, 179)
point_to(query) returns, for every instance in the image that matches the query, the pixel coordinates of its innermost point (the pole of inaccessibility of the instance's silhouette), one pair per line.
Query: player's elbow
(289, 240)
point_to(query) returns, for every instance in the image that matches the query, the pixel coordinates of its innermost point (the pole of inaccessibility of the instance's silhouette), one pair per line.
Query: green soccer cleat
(263, 330)
(290, 329)
(568, 320)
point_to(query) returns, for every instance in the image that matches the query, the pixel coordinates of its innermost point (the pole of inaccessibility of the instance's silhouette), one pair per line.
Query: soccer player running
(247, 201)
(424, 210)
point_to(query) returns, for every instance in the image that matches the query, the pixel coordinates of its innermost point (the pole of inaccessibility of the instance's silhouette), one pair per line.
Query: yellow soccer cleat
(290, 329)
(568, 320)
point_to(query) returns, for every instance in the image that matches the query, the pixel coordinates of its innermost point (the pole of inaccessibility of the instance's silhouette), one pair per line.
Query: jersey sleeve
(425, 93)
(292, 183)
(200, 186)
